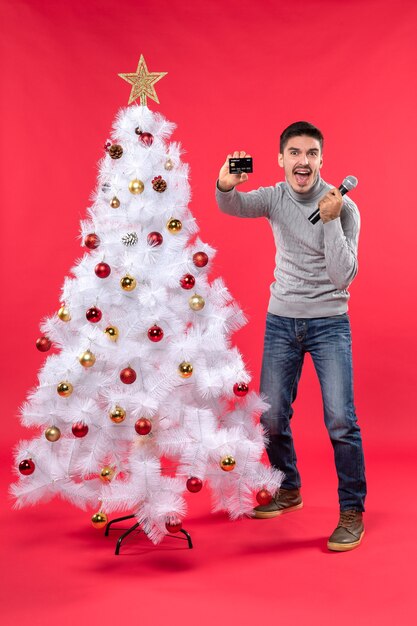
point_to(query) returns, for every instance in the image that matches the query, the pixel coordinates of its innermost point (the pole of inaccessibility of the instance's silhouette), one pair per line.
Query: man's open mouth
(301, 175)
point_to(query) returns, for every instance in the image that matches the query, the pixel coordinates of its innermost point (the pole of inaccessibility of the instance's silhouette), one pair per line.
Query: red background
(238, 73)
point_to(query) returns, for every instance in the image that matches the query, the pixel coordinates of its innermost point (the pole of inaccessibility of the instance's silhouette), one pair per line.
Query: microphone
(348, 184)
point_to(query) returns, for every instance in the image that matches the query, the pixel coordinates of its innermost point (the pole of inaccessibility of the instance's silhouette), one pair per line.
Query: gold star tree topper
(143, 82)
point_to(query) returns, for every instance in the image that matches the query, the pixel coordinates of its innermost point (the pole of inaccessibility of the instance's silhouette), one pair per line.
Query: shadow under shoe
(284, 501)
(348, 533)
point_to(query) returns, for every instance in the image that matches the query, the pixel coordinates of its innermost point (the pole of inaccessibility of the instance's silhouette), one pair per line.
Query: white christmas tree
(144, 396)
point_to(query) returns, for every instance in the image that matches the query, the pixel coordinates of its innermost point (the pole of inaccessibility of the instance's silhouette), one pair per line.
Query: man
(307, 312)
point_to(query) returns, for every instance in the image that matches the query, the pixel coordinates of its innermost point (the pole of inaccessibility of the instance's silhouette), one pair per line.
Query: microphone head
(350, 182)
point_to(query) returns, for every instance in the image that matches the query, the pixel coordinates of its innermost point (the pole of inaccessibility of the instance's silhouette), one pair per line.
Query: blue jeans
(328, 340)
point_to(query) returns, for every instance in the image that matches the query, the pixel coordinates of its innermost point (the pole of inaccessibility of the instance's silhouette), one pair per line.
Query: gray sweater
(314, 264)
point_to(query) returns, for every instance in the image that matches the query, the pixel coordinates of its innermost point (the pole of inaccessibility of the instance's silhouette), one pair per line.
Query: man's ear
(280, 160)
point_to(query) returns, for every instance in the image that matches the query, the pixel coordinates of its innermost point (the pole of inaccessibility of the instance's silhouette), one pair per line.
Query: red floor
(59, 570)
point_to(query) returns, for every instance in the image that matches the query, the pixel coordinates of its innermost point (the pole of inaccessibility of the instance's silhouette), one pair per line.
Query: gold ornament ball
(112, 333)
(52, 433)
(115, 203)
(185, 369)
(99, 520)
(136, 186)
(117, 414)
(87, 359)
(196, 302)
(227, 463)
(64, 314)
(107, 473)
(174, 225)
(128, 283)
(169, 165)
(65, 389)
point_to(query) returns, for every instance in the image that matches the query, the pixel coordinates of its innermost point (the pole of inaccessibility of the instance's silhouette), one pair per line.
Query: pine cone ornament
(159, 184)
(130, 239)
(115, 151)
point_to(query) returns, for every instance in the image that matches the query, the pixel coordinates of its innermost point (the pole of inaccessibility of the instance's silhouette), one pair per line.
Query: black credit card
(239, 165)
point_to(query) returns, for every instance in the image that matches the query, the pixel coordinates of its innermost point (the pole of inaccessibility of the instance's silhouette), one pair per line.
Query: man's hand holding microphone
(330, 205)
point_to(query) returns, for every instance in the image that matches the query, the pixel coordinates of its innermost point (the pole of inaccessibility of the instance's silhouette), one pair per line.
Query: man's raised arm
(230, 201)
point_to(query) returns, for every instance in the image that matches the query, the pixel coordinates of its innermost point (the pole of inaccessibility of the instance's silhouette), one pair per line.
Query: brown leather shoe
(284, 501)
(348, 533)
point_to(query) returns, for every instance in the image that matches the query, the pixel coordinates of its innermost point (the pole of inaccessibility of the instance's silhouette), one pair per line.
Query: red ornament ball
(26, 467)
(263, 497)
(240, 389)
(143, 426)
(79, 429)
(155, 333)
(128, 376)
(173, 526)
(92, 241)
(194, 484)
(146, 139)
(43, 344)
(102, 270)
(155, 239)
(200, 259)
(187, 281)
(93, 315)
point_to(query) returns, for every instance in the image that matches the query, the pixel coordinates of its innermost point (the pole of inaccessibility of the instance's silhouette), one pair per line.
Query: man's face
(301, 160)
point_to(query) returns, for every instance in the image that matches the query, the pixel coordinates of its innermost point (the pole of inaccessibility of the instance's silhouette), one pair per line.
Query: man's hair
(296, 130)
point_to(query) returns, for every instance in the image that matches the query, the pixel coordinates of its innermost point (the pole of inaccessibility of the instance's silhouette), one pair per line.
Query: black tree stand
(134, 527)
